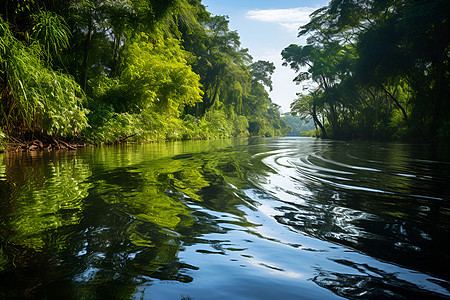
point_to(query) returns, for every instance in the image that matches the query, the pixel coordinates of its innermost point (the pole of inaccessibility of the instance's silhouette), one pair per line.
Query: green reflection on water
(44, 197)
(102, 215)
(102, 221)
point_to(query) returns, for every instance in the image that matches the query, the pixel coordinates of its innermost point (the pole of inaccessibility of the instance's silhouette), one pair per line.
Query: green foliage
(241, 126)
(216, 124)
(262, 72)
(48, 200)
(380, 68)
(148, 98)
(310, 133)
(34, 96)
(117, 127)
(145, 70)
(158, 77)
(297, 124)
(51, 31)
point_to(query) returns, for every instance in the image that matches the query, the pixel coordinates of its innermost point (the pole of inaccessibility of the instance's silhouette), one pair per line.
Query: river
(274, 218)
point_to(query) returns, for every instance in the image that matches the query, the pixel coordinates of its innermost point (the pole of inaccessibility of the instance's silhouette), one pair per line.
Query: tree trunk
(405, 116)
(316, 121)
(116, 45)
(87, 47)
(333, 118)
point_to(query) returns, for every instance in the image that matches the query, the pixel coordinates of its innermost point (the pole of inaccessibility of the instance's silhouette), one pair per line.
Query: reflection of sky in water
(270, 218)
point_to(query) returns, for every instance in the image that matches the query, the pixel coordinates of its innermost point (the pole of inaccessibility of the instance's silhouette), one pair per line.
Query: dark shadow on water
(104, 222)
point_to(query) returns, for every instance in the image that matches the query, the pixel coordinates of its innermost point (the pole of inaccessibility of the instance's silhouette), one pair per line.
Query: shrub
(36, 98)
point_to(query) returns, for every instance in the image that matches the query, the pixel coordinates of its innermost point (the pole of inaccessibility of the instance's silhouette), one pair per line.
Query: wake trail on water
(361, 212)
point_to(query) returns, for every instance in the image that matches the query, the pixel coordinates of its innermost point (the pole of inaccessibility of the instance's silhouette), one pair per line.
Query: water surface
(276, 218)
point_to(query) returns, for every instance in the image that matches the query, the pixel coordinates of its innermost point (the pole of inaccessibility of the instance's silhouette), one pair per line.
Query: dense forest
(299, 126)
(375, 69)
(108, 71)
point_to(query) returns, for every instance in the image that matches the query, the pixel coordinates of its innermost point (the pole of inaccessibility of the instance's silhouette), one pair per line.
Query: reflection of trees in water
(346, 221)
(110, 219)
(102, 223)
(150, 203)
(397, 226)
(45, 197)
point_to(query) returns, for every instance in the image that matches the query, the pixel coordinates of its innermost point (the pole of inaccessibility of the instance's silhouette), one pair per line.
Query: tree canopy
(108, 71)
(380, 68)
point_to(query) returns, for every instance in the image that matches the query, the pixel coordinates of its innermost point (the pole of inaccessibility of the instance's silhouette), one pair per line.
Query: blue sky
(266, 27)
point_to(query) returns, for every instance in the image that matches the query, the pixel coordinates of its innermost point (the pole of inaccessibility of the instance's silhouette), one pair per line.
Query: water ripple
(367, 198)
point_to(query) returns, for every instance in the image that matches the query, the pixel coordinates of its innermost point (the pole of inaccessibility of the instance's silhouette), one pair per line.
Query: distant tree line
(109, 71)
(380, 69)
(299, 126)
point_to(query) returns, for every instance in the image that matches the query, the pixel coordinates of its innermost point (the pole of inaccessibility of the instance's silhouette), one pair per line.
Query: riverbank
(39, 145)
(49, 143)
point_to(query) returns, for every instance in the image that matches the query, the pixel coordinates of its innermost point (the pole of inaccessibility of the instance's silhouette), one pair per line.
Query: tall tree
(398, 49)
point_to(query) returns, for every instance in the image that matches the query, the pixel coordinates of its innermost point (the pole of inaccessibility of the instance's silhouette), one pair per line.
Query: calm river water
(276, 218)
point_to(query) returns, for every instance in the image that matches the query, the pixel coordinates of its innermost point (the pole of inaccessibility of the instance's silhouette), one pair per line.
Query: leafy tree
(149, 70)
(262, 72)
(323, 68)
(383, 65)
(159, 76)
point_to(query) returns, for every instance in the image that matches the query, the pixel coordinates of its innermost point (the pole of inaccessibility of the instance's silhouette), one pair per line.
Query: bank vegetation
(94, 71)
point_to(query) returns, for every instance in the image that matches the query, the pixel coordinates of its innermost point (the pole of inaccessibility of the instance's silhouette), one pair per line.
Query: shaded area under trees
(380, 69)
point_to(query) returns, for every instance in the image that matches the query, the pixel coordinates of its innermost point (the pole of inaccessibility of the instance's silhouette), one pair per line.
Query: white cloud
(294, 27)
(290, 18)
